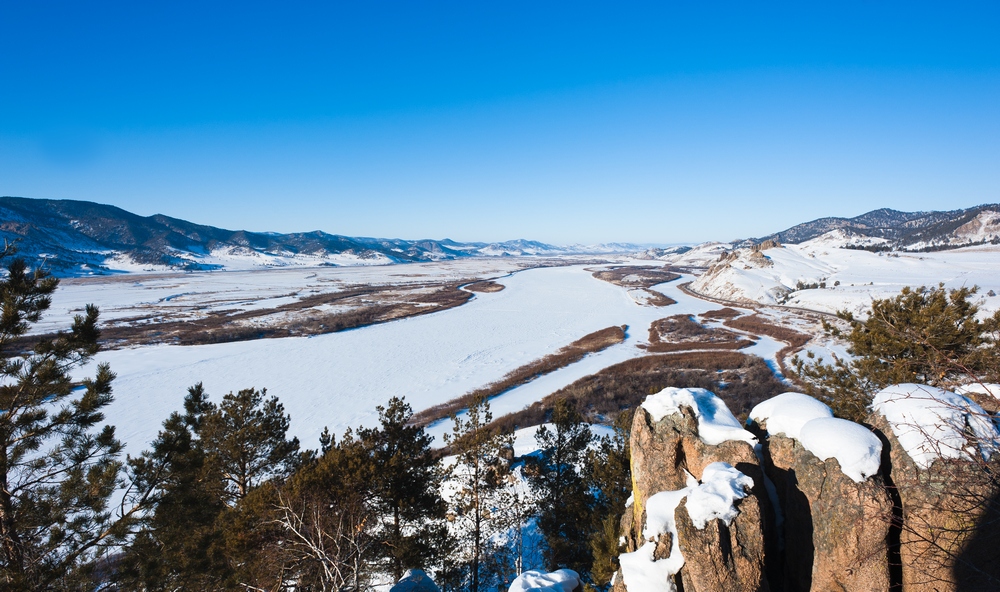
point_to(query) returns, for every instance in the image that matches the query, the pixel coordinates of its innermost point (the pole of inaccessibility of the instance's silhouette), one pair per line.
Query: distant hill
(891, 229)
(80, 238)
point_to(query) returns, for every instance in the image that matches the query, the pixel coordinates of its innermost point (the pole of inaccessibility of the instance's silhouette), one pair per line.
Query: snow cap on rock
(561, 580)
(716, 423)
(788, 412)
(980, 388)
(856, 448)
(931, 423)
(415, 580)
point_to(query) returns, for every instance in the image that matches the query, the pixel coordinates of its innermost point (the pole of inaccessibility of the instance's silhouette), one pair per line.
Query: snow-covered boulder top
(716, 423)
(788, 412)
(415, 580)
(977, 388)
(931, 423)
(811, 422)
(855, 447)
(561, 580)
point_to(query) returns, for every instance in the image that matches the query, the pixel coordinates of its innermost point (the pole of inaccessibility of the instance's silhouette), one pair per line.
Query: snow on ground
(561, 580)
(772, 276)
(931, 423)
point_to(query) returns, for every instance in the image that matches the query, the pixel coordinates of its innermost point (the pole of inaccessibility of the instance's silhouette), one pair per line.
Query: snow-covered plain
(189, 295)
(338, 379)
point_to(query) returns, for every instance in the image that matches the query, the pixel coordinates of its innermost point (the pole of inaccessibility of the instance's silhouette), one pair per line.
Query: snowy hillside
(77, 238)
(821, 276)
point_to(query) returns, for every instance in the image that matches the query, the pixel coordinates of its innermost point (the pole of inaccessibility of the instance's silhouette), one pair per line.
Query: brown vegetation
(636, 276)
(720, 314)
(574, 352)
(486, 286)
(681, 332)
(658, 299)
(741, 380)
(757, 324)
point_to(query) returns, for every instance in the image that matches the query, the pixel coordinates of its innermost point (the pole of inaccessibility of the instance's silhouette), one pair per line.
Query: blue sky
(562, 122)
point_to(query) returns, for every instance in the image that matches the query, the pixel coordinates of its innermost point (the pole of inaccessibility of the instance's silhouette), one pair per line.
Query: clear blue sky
(570, 122)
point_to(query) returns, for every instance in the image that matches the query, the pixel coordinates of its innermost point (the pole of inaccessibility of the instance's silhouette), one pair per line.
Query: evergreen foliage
(58, 465)
(481, 475)
(931, 336)
(406, 489)
(609, 474)
(564, 502)
(179, 545)
(245, 437)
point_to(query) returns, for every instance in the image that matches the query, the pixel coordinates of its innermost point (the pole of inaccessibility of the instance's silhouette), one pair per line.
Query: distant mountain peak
(886, 228)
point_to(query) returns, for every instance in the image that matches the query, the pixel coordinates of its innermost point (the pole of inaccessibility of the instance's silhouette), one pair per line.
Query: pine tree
(481, 475)
(179, 545)
(245, 436)
(58, 466)
(931, 336)
(406, 489)
(563, 497)
(609, 474)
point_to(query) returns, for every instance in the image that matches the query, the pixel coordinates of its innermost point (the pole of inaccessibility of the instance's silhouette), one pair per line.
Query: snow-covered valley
(337, 379)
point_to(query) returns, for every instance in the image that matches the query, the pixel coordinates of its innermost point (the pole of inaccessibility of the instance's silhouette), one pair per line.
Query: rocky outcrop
(909, 502)
(835, 530)
(947, 493)
(686, 448)
(724, 557)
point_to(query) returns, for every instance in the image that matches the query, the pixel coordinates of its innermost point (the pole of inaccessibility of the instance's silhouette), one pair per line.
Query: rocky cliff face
(802, 501)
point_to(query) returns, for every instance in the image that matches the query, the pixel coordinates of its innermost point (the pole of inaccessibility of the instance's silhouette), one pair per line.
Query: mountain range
(81, 238)
(887, 229)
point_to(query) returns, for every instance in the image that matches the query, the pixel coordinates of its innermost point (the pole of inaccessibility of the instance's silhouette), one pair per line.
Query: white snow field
(862, 275)
(338, 379)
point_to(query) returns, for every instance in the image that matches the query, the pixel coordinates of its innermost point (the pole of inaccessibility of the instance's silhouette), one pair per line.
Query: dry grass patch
(720, 314)
(574, 352)
(485, 286)
(658, 299)
(309, 315)
(681, 332)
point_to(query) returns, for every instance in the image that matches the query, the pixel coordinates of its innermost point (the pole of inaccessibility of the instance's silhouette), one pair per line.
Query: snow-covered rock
(561, 580)
(415, 580)
(716, 423)
(788, 412)
(932, 423)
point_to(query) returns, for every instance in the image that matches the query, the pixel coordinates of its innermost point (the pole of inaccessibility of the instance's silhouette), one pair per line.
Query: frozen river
(338, 379)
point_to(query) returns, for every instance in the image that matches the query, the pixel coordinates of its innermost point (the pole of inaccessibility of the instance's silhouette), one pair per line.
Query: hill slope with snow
(818, 275)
